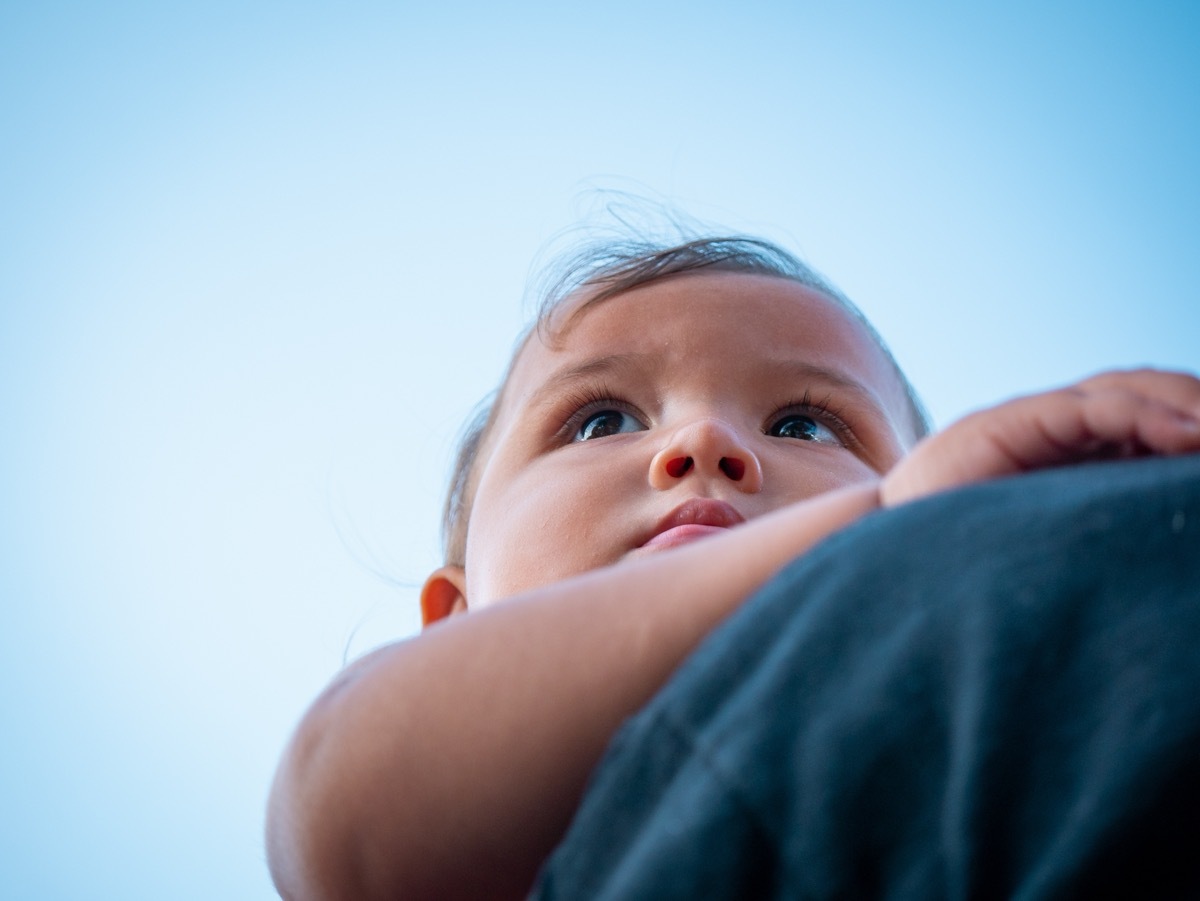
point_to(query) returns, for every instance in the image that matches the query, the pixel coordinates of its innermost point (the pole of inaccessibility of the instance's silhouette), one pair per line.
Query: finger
(1073, 425)
(1177, 389)
(1132, 424)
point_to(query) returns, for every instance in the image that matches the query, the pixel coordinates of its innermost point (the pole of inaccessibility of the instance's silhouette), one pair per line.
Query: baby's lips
(678, 535)
(694, 518)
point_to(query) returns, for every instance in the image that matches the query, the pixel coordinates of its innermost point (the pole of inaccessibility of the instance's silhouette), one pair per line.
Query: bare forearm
(449, 765)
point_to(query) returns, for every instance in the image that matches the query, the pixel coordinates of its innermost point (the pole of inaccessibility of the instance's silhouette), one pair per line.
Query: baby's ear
(444, 594)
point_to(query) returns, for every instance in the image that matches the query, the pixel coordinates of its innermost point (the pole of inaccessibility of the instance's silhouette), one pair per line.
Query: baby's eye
(803, 428)
(607, 422)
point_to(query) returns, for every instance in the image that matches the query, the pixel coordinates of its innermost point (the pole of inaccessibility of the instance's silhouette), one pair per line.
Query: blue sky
(258, 261)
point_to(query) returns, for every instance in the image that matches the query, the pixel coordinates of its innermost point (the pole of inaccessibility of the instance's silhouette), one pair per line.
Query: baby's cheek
(840, 471)
(507, 568)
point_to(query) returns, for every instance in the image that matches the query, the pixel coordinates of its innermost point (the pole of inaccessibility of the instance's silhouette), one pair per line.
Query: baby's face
(667, 413)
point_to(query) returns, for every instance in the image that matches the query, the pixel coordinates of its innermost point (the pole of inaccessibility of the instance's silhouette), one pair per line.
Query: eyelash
(590, 399)
(587, 400)
(821, 410)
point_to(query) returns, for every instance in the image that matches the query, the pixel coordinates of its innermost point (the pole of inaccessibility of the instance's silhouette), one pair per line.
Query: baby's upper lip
(698, 511)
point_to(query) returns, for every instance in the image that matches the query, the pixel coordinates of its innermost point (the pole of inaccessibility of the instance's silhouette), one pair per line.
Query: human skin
(698, 367)
(449, 765)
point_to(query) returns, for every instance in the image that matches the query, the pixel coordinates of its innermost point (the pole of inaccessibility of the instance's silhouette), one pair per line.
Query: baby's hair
(604, 269)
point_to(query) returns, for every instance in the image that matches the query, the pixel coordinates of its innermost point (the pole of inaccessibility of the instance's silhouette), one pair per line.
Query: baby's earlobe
(443, 594)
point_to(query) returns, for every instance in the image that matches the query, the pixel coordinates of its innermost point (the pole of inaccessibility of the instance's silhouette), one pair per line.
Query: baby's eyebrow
(562, 379)
(796, 370)
(813, 377)
(820, 377)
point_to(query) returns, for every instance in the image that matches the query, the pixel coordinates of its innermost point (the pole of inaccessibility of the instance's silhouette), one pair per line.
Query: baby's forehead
(758, 310)
(566, 324)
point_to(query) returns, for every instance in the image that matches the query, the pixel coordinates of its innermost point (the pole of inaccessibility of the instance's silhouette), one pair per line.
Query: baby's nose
(706, 448)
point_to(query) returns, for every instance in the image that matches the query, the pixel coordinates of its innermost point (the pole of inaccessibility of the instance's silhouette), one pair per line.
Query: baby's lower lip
(678, 535)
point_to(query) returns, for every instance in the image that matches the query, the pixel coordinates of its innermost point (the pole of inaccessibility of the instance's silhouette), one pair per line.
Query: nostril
(678, 466)
(735, 469)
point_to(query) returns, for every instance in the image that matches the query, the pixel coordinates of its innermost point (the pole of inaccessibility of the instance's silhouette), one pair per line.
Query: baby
(681, 423)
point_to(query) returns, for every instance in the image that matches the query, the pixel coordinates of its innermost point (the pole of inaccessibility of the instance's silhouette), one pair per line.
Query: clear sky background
(258, 260)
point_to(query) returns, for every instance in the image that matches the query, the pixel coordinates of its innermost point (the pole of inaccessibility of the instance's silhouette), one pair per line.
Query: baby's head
(720, 370)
